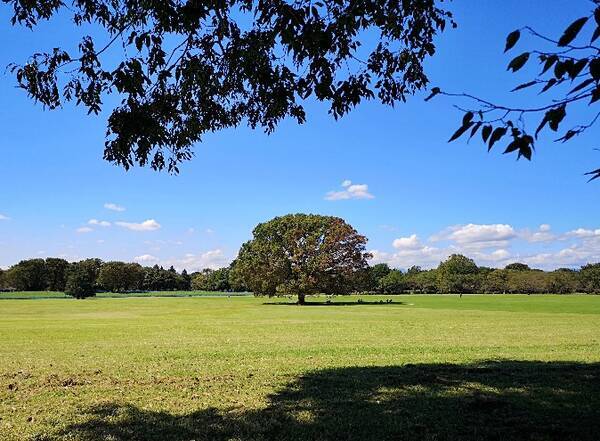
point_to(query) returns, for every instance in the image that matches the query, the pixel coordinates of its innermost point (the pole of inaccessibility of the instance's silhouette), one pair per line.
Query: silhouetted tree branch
(190, 67)
(571, 71)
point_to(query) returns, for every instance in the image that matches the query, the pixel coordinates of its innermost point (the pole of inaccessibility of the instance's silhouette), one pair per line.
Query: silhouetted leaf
(434, 91)
(542, 125)
(525, 151)
(460, 132)
(551, 82)
(595, 35)
(524, 86)
(518, 62)
(595, 95)
(512, 147)
(561, 68)
(475, 128)
(524, 144)
(576, 68)
(496, 136)
(568, 135)
(467, 118)
(549, 63)
(486, 132)
(512, 39)
(571, 32)
(595, 174)
(582, 85)
(595, 68)
(555, 116)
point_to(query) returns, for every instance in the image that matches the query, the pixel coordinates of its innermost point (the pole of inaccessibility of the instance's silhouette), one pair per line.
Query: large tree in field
(302, 254)
(184, 68)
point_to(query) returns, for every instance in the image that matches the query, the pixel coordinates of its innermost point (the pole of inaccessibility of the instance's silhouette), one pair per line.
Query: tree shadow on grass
(333, 303)
(507, 400)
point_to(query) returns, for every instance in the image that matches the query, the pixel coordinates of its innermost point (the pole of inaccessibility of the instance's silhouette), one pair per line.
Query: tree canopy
(184, 68)
(302, 254)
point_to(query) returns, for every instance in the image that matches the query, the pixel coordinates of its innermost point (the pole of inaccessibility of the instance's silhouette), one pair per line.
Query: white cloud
(145, 258)
(543, 234)
(495, 258)
(584, 233)
(195, 262)
(4, 217)
(114, 207)
(209, 231)
(410, 242)
(83, 230)
(147, 225)
(473, 233)
(99, 223)
(573, 256)
(351, 191)
(477, 236)
(424, 256)
(496, 245)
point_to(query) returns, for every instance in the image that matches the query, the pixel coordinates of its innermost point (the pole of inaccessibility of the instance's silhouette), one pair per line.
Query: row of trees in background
(459, 274)
(85, 278)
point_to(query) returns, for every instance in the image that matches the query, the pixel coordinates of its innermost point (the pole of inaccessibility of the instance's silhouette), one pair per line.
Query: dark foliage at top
(570, 70)
(189, 67)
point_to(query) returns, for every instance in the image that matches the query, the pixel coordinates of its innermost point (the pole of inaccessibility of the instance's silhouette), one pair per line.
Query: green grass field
(421, 368)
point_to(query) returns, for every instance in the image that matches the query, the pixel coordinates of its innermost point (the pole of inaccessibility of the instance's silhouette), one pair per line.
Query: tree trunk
(301, 299)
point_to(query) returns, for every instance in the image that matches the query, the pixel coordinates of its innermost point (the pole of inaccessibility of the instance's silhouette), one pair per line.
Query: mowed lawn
(423, 367)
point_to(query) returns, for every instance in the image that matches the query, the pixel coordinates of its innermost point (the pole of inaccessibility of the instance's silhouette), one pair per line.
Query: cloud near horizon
(146, 258)
(494, 245)
(192, 262)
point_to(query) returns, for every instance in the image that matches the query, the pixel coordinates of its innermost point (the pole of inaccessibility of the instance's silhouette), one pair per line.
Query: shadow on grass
(506, 400)
(333, 303)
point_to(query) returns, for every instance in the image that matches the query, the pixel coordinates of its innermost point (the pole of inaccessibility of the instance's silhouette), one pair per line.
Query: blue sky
(414, 196)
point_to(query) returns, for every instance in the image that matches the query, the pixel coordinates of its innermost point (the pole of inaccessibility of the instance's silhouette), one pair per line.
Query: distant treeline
(85, 278)
(457, 274)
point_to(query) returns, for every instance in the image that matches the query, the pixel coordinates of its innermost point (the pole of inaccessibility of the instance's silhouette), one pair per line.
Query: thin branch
(555, 42)
(493, 106)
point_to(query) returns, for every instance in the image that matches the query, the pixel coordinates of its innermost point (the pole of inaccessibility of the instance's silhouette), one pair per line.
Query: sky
(388, 171)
